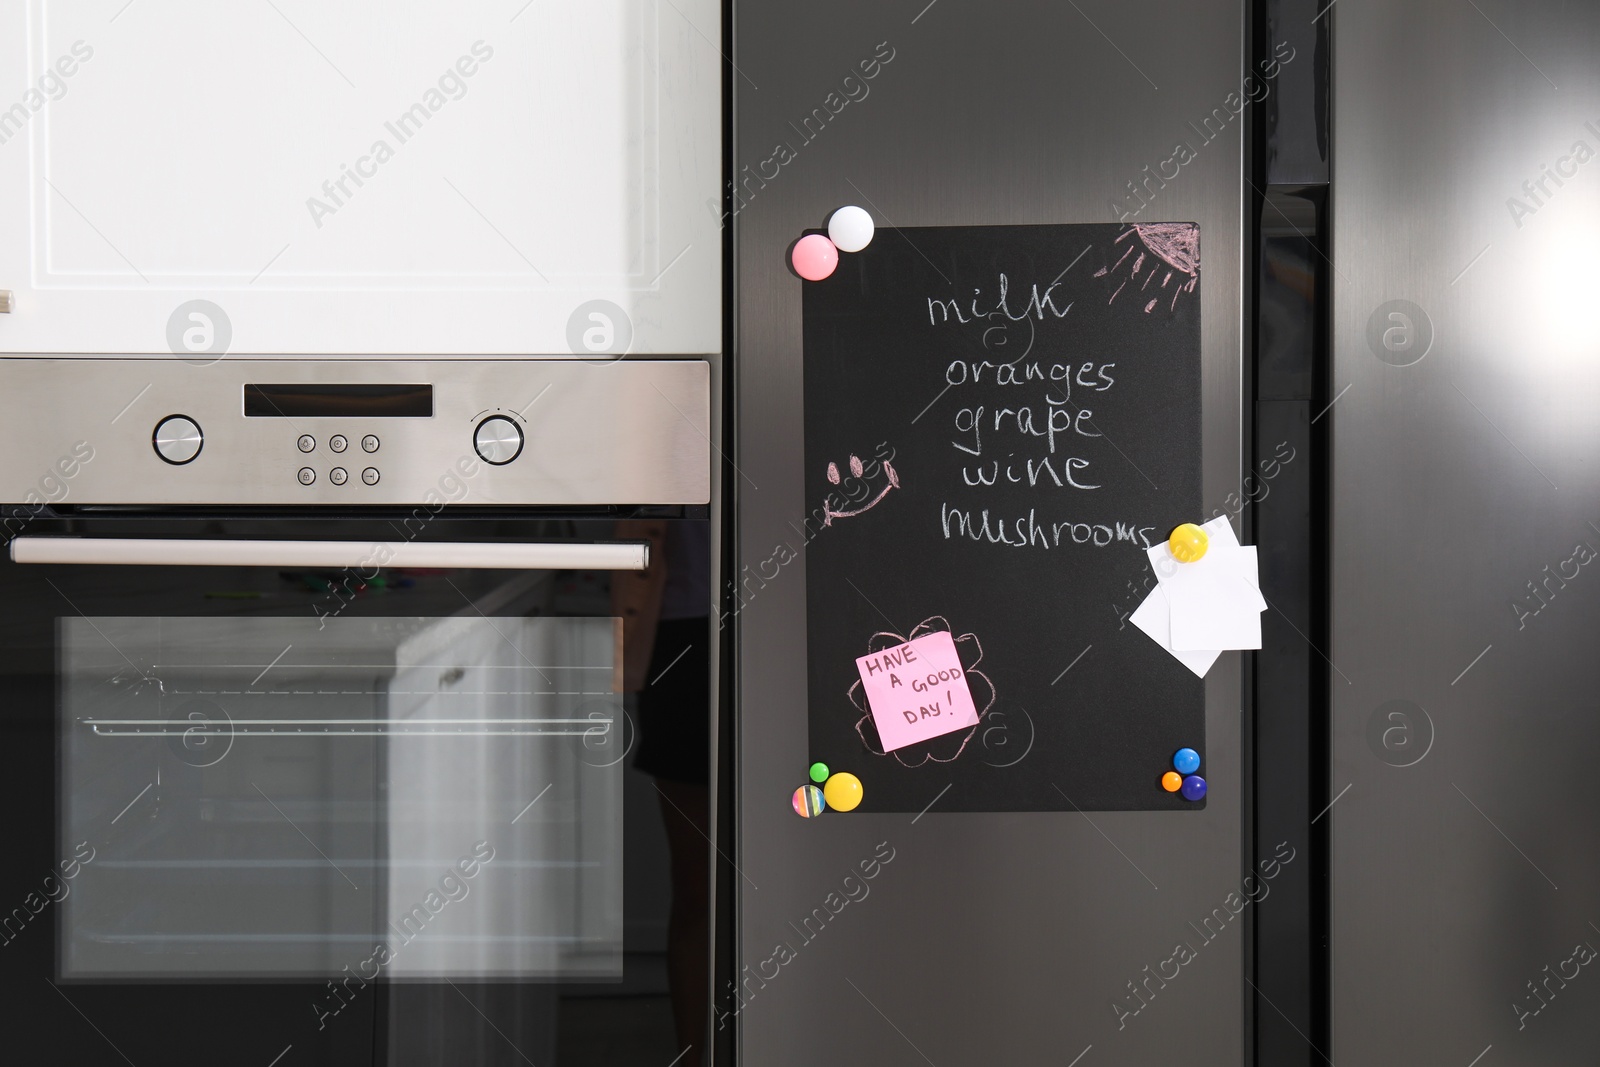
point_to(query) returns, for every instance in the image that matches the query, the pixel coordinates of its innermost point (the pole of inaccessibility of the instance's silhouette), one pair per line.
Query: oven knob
(177, 439)
(498, 440)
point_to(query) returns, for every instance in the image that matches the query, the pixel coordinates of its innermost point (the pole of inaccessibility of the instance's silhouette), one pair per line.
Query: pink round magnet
(814, 257)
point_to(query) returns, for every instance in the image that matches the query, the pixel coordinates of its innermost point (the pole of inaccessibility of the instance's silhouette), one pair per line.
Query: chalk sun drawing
(946, 747)
(1172, 249)
(828, 514)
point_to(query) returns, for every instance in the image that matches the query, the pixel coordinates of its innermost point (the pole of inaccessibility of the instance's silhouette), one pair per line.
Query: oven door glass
(434, 796)
(260, 812)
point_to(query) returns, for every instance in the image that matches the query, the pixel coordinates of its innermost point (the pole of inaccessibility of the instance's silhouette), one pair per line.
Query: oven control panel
(244, 431)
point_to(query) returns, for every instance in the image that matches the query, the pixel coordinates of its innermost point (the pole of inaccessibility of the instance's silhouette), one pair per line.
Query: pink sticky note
(917, 690)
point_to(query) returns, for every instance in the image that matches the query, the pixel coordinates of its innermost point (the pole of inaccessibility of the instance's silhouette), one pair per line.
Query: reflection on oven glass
(426, 797)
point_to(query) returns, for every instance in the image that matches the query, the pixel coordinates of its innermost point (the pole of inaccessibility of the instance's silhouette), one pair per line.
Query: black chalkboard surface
(998, 421)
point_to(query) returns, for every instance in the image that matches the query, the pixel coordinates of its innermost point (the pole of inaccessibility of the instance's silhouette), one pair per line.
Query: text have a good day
(917, 690)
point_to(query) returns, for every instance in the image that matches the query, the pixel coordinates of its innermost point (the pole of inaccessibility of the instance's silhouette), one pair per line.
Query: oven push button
(307, 475)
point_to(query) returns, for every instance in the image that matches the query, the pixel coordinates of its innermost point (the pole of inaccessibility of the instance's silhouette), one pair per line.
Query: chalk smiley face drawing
(1171, 249)
(858, 471)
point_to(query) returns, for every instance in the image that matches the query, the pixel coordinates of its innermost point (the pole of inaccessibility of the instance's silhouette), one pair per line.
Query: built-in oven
(313, 740)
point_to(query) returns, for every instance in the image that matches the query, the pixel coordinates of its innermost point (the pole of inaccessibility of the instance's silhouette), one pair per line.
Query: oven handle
(356, 555)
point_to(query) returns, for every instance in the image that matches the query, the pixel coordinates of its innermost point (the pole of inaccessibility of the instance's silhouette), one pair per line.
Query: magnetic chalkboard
(998, 421)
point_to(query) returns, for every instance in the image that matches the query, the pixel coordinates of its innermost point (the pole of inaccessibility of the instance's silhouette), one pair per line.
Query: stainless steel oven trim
(364, 555)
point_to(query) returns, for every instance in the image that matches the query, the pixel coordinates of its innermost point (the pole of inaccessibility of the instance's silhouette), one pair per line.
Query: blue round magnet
(1186, 761)
(1194, 787)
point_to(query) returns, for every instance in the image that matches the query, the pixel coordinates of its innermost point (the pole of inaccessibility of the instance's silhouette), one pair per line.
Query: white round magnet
(851, 229)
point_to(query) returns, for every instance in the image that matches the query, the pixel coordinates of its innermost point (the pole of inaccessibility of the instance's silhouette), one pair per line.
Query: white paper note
(1218, 608)
(1154, 618)
(1199, 610)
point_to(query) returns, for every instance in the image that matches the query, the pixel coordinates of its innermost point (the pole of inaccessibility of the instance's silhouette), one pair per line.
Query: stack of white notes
(1199, 610)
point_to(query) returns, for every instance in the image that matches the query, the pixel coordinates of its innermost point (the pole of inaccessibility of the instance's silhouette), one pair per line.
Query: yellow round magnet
(843, 791)
(1188, 543)
(1172, 781)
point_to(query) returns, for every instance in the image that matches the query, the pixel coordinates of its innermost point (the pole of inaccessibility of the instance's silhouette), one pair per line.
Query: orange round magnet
(1172, 781)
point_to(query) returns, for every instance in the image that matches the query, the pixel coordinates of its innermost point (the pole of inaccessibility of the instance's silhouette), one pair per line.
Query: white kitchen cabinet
(360, 178)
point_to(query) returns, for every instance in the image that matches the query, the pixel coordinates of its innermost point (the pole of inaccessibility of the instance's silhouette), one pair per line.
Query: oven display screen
(305, 400)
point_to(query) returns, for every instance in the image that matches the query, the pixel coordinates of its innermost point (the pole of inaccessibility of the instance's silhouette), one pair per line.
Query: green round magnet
(819, 772)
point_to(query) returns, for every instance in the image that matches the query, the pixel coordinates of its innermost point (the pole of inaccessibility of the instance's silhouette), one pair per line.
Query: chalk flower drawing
(1171, 248)
(858, 470)
(946, 747)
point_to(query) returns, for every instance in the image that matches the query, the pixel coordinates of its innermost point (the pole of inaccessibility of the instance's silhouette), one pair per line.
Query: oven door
(268, 808)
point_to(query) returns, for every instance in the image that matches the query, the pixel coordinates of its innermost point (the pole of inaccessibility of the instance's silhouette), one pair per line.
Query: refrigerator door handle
(362, 555)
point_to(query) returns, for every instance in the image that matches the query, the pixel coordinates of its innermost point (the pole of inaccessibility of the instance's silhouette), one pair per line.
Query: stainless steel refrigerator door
(1465, 601)
(987, 938)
